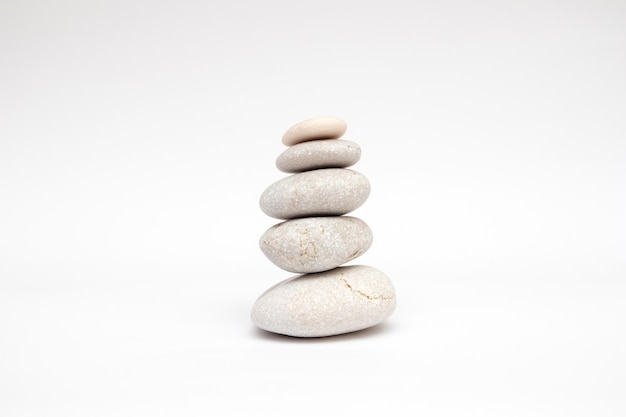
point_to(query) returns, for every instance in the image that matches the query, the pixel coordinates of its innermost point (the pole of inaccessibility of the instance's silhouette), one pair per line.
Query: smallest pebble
(312, 129)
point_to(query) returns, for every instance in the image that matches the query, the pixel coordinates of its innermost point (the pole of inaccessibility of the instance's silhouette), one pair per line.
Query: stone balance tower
(316, 238)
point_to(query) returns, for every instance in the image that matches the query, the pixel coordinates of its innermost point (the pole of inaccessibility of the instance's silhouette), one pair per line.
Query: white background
(137, 136)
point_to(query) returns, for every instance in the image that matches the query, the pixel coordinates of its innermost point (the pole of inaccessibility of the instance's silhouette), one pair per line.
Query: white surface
(136, 138)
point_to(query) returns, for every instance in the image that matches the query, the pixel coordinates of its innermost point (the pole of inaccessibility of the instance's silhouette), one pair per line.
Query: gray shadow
(370, 332)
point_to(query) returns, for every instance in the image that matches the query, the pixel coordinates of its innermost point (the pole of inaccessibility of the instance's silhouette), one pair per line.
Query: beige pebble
(315, 244)
(322, 192)
(342, 300)
(316, 128)
(316, 154)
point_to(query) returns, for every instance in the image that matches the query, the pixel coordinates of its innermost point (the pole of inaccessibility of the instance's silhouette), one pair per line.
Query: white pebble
(315, 128)
(342, 300)
(315, 244)
(316, 154)
(322, 192)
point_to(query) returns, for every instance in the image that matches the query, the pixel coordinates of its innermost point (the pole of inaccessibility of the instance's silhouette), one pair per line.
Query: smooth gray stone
(316, 244)
(316, 154)
(322, 192)
(342, 300)
(316, 128)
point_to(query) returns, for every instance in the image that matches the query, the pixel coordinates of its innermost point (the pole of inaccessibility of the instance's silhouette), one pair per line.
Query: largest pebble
(322, 192)
(342, 300)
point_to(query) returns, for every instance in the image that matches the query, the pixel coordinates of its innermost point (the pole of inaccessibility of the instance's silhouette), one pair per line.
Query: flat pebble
(315, 128)
(342, 300)
(322, 192)
(315, 244)
(316, 154)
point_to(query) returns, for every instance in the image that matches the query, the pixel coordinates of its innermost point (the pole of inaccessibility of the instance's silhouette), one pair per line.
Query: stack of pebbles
(317, 238)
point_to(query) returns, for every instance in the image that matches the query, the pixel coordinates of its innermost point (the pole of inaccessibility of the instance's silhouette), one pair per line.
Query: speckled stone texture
(315, 244)
(342, 300)
(316, 154)
(317, 239)
(323, 192)
(315, 128)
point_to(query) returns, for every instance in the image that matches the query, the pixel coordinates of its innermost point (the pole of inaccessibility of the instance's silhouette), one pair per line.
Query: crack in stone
(361, 293)
(306, 245)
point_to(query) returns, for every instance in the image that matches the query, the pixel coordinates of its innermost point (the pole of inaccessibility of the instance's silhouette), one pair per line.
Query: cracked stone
(342, 300)
(316, 244)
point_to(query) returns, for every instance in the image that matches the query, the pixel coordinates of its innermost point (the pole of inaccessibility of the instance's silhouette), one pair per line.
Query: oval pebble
(342, 300)
(322, 192)
(316, 128)
(316, 244)
(316, 154)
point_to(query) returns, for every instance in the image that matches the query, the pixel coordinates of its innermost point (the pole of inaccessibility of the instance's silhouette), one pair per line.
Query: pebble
(315, 244)
(313, 129)
(322, 192)
(316, 154)
(342, 300)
